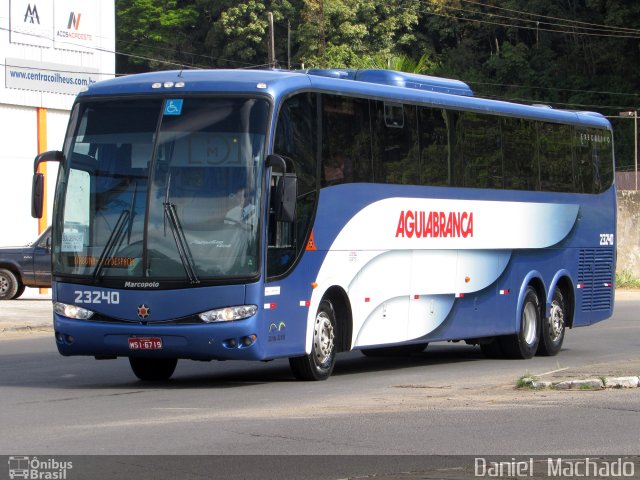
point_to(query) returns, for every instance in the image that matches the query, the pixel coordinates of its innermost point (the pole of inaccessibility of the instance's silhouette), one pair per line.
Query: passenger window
(346, 146)
(395, 144)
(519, 151)
(556, 157)
(434, 147)
(481, 151)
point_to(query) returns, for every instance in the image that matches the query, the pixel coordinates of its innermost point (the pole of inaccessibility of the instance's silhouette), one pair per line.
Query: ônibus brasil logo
(38, 468)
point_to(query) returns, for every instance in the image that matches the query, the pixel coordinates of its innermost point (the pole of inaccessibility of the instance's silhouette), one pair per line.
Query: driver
(242, 211)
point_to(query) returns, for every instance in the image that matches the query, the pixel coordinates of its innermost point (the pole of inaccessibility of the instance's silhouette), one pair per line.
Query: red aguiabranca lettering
(420, 224)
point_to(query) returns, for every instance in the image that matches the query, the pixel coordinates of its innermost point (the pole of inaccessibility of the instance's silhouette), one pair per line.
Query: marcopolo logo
(32, 15)
(34, 468)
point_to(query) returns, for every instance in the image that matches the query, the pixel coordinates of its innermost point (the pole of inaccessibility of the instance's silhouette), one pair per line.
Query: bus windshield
(162, 188)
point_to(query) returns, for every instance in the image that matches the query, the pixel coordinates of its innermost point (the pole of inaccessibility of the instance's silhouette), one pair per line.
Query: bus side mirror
(284, 190)
(287, 193)
(37, 194)
(37, 183)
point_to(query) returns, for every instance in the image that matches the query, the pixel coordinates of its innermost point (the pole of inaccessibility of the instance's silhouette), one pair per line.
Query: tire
(153, 369)
(524, 344)
(398, 351)
(20, 291)
(318, 365)
(8, 284)
(553, 327)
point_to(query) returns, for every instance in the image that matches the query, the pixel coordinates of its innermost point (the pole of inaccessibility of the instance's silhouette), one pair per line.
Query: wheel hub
(530, 323)
(323, 338)
(556, 322)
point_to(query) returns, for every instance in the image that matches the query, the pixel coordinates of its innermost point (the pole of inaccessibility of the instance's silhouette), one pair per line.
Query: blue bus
(255, 215)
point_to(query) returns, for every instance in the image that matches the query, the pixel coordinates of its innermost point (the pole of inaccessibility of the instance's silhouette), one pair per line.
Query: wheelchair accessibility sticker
(173, 107)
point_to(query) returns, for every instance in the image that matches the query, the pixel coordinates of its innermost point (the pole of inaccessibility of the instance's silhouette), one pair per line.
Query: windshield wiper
(116, 233)
(181, 242)
(114, 238)
(182, 245)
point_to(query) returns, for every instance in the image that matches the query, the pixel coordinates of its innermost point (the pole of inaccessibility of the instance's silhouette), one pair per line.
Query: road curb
(599, 383)
(24, 331)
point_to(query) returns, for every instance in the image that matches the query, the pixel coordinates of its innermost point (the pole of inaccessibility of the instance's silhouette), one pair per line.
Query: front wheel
(525, 343)
(553, 327)
(8, 284)
(153, 369)
(318, 365)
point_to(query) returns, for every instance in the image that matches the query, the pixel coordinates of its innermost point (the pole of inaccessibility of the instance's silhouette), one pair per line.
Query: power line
(525, 27)
(537, 22)
(605, 27)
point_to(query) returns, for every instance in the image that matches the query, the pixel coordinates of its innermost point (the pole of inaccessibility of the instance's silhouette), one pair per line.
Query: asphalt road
(449, 400)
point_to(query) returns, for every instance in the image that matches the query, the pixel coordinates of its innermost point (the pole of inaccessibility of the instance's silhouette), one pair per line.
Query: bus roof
(377, 84)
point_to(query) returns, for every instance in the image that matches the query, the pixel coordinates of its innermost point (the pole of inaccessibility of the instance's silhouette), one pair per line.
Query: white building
(49, 50)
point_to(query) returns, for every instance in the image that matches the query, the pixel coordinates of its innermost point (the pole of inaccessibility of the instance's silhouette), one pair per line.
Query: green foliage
(501, 53)
(625, 279)
(143, 26)
(525, 381)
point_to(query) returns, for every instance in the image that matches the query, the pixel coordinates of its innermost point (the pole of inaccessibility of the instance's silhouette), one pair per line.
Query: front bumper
(213, 341)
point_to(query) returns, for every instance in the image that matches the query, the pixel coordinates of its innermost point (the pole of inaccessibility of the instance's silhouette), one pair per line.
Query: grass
(525, 381)
(625, 279)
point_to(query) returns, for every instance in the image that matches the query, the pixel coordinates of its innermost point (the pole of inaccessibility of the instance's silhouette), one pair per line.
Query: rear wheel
(153, 368)
(318, 365)
(8, 284)
(398, 351)
(525, 343)
(553, 328)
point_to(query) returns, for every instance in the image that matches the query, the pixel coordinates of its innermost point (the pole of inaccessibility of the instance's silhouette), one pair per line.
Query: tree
(153, 34)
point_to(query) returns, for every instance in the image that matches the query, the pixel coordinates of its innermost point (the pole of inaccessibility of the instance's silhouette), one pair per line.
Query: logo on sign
(74, 21)
(421, 224)
(32, 15)
(173, 107)
(73, 29)
(143, 311)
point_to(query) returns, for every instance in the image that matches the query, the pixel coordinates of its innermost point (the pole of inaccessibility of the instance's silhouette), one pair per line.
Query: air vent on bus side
(398, 79)
(595, 274)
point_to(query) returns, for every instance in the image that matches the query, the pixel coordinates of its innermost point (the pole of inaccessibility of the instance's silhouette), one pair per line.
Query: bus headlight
(72, 311)
(228, 314)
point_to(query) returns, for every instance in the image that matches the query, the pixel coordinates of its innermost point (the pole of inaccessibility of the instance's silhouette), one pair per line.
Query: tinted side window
(481, 151)
(296, 139)
(594, 159)
(519, 152)
(346, 140)
(556, 157)
(395, 143)
(434, 147)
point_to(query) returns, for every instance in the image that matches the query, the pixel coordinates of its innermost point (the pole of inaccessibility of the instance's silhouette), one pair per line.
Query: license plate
(145, 343)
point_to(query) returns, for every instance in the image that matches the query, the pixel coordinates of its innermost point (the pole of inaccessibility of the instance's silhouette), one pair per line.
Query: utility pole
(272, 48)
(288, 44)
